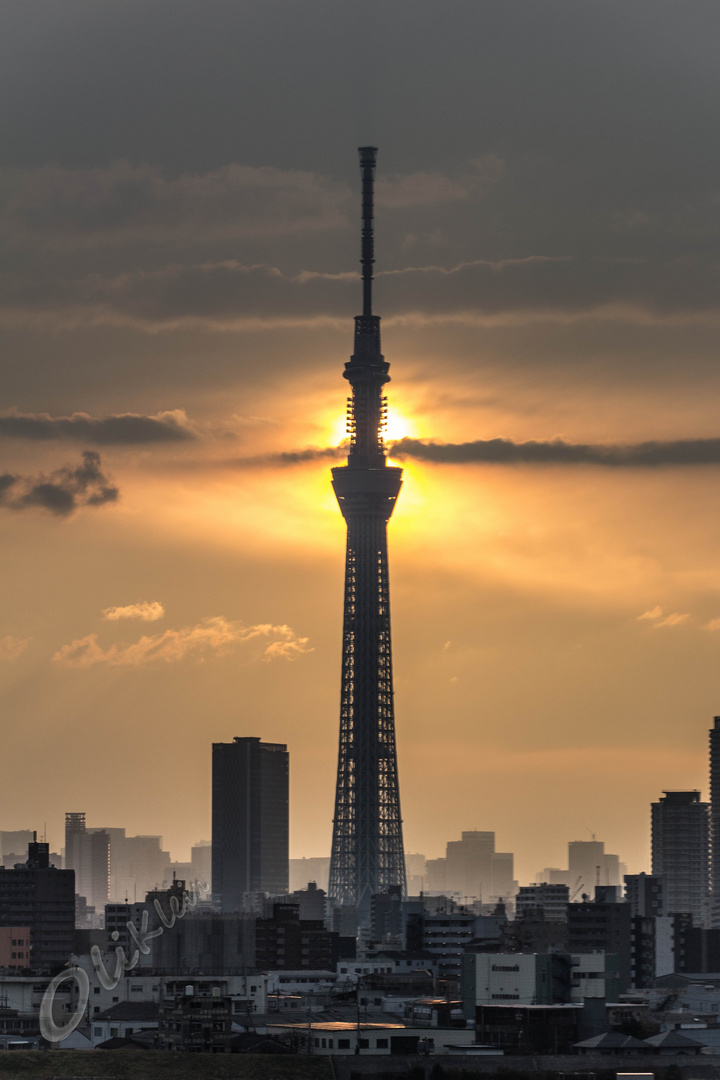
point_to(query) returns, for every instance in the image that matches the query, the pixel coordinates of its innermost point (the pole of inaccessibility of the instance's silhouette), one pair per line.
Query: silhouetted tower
(367, 849)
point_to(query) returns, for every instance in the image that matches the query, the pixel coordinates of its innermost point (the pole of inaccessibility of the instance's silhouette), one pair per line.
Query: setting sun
(397, 427)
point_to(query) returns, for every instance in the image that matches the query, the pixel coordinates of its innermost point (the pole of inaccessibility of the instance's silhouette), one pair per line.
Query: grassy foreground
(158, 1065)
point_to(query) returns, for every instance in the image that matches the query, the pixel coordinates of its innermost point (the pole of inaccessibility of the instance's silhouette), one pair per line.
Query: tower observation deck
(367, 848)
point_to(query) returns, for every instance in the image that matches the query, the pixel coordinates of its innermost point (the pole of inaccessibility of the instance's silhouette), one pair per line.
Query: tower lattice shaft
(367, 849)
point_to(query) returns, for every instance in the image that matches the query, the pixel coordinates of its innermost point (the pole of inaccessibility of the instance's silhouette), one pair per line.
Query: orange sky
(180, 266)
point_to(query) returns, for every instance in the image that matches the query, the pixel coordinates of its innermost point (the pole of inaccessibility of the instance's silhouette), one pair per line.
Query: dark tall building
(681, 852)
(43, 898)
(715, 823)
(250, 813)
(367, 847)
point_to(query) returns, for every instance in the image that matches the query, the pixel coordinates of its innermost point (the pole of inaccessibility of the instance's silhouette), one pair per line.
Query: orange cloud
(12, 647)
(216, 634)
(148, 611)
(657, 615)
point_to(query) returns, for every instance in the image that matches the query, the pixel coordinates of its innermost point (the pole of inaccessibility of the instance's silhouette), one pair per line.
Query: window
(97, 1030)
(96, 990)
(382, 1044)
(343, 1044)
(364, 1044)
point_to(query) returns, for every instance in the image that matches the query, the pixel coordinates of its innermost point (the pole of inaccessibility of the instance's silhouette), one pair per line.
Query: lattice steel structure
(367, 848)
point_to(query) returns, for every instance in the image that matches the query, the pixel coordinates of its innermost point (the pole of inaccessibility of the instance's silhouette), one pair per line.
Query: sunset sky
(179, 244)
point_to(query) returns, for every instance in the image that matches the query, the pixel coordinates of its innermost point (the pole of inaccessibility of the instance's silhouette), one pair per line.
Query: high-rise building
(715, 823)
(87, 852)
(250, 815)
(367, 846)
(681, 852)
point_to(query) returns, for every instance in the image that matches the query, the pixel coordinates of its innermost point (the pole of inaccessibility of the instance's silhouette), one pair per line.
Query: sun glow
(398, 427)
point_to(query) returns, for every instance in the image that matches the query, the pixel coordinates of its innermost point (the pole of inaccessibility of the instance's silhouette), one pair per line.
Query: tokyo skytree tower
(367, 847)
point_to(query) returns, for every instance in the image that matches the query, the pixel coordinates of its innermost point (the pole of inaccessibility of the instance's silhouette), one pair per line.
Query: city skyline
(180, 265)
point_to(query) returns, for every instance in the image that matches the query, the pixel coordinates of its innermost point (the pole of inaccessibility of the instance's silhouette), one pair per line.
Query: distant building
(681, 852)
(201, 862)
(589, 866)
(416, 871)
(137, 865)
(304, 870)
(473, 869)
(250, 819)
(87, 852)
(14, 845)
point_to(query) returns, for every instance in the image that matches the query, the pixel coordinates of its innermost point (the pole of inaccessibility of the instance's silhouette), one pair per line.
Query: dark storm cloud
(123, 429)
(124, 203)
(290, 457)
(558, 452)
(224, 294)
(63, 491)
(679, 452)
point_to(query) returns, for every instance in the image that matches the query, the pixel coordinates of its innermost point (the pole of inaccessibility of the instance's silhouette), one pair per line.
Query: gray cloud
(558, 452)
(290, 457)
(122, 429)
(124, 203)
(229, 294)
(65, 490)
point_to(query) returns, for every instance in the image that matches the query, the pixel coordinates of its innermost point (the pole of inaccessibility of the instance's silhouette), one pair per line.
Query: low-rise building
(534, 979)
(340, 1038)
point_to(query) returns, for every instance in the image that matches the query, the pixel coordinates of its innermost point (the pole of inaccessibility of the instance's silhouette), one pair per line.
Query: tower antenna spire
(368, 157)
(367, 854)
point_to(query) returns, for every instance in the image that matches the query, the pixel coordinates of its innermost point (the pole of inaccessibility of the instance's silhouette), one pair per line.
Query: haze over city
(179, 230)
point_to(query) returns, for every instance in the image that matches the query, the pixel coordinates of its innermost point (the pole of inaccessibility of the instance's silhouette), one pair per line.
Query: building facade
(41, 898)
(681, 852)
(250, 820)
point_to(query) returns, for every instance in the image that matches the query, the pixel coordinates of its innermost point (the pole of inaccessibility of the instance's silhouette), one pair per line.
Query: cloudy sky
(179, 229)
